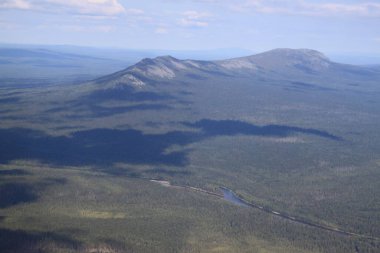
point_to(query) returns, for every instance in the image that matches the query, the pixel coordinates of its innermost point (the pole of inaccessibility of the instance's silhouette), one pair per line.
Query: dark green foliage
(303, 140)
(15, 193)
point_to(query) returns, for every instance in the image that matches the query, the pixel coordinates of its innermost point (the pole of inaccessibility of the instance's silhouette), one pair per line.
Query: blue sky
(336, 26)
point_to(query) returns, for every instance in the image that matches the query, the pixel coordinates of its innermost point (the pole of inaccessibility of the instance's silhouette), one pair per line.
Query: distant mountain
(299, 65)
(15, 53)
(282, 59)
(25, 67)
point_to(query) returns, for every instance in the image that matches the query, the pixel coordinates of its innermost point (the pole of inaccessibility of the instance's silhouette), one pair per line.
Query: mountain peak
(160, 67)
(166, 58)
(282, 61)
(297, 53)
(305, 60)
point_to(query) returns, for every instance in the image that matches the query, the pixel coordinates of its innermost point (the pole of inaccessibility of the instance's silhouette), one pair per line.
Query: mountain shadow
(16, 193)
(309, 86)
(14, 172)
(126, 93)
(94, 147)
(15, 189)
(102, 111)
(9, 100)
(89, 106)
(17, 241)
(234, 127)
(108, 146)
(92, 110)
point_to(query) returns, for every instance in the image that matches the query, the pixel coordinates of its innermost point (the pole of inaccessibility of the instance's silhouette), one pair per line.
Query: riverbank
(232, 197)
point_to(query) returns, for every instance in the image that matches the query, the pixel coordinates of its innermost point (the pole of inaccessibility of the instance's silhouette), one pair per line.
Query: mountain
(279, 75)
(282, 59)
(291, 131)
(301, 65)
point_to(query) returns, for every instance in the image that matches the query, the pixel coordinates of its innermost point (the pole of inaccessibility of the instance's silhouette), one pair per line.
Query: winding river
(230, 196)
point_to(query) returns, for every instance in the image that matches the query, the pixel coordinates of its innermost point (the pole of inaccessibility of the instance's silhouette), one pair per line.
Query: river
(231, 197)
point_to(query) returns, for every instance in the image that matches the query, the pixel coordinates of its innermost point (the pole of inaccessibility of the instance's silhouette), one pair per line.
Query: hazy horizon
(338, 27)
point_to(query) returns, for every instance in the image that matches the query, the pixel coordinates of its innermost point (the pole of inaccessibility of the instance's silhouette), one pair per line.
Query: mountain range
(278, 64)
(83, 165)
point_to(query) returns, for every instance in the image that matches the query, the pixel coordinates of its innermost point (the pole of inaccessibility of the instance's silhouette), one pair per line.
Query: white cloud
(161, 30)
(88, 7)
(368, 8)
(15, 4)
(193, 23)
(361, 9)
(135, 11)
(81, 28)
(309, 8)
(8, 26)
(103, 7)
(104, 28)
(194, 19)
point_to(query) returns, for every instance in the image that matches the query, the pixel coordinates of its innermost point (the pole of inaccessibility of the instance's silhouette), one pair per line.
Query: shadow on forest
(90, 105)
(9, 100)
(108, 146)
(102, 111)
(126, 93)
(92, 110)
(133, 173)
(309, 86)
(93, 147)
(15, 172)
(234, 127)
(16, 193)
(167, 172)
(4, 111)
(16, 241)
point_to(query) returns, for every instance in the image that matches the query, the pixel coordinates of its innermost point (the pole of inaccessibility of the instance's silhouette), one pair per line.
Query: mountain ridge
(278, 64)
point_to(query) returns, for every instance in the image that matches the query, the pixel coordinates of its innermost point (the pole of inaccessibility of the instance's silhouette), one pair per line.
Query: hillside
(276, 65)
(288, 130)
